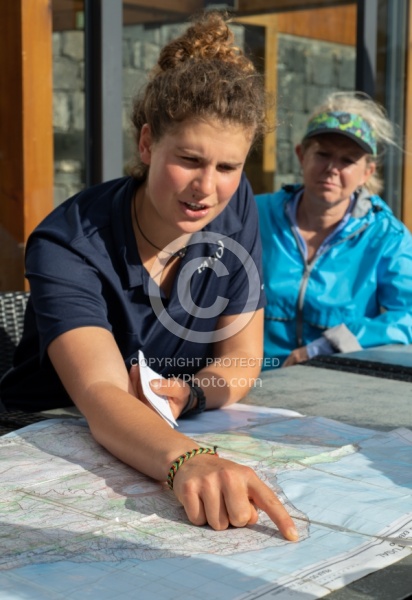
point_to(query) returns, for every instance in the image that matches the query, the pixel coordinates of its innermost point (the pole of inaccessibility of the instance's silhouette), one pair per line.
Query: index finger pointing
(264, 498)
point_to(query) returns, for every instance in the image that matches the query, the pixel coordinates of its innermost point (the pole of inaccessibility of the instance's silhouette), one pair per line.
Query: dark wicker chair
(12, 309)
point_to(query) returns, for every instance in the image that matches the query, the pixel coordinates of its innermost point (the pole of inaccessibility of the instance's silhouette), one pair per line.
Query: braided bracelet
(183, 458)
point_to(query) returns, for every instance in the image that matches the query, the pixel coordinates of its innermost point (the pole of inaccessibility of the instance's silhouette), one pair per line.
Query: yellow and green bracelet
(183, 458)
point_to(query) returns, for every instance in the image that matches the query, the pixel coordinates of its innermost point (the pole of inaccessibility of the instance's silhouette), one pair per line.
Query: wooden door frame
(26, 130)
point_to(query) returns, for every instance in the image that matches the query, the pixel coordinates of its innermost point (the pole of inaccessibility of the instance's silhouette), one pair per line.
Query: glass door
(305, 54)
(68, 98)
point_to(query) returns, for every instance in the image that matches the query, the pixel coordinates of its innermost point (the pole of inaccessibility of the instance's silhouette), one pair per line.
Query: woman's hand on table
(215, 491)
(220, 493)
(297, 356)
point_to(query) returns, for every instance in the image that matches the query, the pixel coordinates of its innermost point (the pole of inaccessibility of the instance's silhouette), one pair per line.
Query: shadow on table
(48, 562)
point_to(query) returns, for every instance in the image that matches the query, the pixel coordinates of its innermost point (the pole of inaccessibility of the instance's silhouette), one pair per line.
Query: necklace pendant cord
(178, 254)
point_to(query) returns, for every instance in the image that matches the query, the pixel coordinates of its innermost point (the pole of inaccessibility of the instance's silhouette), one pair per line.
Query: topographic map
(76, 522)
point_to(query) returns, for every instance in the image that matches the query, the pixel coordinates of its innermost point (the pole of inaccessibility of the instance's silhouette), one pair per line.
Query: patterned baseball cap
(347, 124)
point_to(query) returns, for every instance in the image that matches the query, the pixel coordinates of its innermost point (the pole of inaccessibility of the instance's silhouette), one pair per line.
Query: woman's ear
(145, 145)
(369, 171)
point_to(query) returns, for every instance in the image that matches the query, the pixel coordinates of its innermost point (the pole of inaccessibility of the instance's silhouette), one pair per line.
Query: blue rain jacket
(362, 280)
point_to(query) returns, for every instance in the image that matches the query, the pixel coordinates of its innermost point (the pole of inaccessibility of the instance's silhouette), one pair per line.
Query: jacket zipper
(305, 278)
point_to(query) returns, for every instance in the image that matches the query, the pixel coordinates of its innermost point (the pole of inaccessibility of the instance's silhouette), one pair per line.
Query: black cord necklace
(179, 254)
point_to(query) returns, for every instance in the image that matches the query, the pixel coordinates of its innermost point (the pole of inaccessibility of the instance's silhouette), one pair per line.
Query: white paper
(159, 403)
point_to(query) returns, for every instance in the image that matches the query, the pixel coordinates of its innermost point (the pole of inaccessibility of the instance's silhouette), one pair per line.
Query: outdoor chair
(12, 309)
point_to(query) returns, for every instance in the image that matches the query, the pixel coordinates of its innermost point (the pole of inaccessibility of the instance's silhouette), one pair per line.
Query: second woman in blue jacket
(337, 263)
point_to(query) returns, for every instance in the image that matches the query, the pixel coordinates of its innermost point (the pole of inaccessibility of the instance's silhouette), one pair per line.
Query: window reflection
(68, 98)
(304, 54)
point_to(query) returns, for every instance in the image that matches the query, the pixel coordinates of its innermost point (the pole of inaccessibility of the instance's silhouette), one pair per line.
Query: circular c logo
(186, 300)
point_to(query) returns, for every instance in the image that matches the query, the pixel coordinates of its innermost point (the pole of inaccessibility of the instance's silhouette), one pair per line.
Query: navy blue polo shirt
(84, 269)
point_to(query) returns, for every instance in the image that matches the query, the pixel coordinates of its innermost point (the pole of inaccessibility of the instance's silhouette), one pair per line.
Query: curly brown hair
(200, 75)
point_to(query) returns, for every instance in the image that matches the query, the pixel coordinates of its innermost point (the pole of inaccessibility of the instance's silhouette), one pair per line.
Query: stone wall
(307, 71)
(68, 113)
